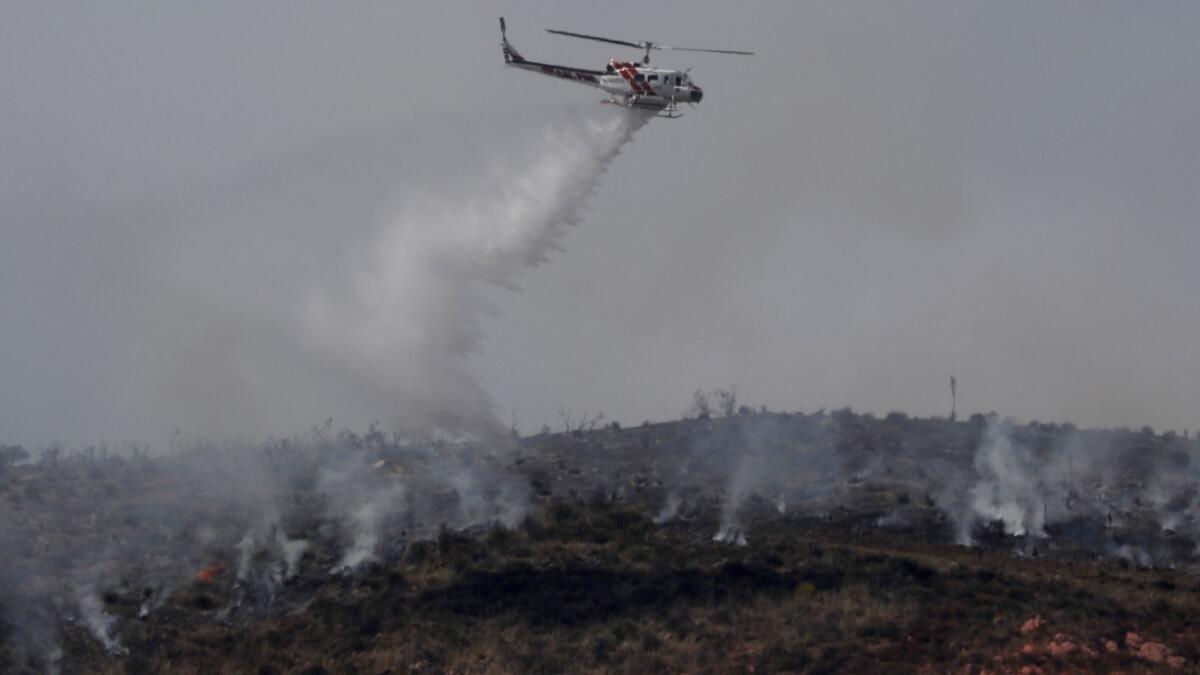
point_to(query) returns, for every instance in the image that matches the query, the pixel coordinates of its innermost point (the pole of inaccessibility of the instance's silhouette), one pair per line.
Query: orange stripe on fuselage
(628, 71)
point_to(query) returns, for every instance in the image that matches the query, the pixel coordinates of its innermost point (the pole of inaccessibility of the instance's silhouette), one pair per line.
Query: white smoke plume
(366, 523)
(757, 458)
(406, 317)
(267, 544)
(291, 550)
(1009, 487)
(345, 281)
(98, 621)
(669, 510)
(742, 484)
(1132, 554)
(485, 497)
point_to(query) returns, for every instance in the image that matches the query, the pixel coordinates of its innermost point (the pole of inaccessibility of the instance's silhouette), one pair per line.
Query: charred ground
(851, 558)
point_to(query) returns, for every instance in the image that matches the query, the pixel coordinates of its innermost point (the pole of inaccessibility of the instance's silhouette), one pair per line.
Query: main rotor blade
(646, 45)
(638, 45)
(693, 49)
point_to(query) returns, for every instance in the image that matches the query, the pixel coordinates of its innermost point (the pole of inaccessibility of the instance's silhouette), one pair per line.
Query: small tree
(701, 405)
(322, 434)
(51, 454)
(585, 423)
(727, 401)
(843, 414)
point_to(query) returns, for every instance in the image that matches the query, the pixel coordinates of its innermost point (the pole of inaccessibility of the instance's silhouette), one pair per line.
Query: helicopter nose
(697, 94)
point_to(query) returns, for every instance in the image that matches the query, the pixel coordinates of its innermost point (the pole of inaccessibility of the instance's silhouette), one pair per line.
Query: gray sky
(885, 194)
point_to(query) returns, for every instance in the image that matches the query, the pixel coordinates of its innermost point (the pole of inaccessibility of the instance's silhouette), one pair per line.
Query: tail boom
(513, 58)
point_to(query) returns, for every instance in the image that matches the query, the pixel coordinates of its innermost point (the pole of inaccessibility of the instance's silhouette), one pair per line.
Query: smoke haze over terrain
(882, 196)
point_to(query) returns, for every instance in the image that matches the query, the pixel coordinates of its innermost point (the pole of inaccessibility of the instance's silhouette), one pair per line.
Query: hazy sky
(887, 193)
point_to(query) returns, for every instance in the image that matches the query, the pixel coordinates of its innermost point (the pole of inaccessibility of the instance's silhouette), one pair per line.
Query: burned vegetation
(757, 542)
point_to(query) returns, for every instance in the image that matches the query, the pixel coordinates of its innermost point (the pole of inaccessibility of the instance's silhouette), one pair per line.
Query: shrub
(12, 454)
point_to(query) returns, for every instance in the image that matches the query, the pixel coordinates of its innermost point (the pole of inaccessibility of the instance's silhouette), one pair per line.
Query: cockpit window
(678, 80)
(639, 77)
(653, 78)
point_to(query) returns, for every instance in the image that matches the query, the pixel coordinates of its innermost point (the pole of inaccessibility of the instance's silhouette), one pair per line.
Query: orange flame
(209, 574)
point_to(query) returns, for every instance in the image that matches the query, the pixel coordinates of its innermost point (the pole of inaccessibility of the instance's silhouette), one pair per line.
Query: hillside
(754, 543)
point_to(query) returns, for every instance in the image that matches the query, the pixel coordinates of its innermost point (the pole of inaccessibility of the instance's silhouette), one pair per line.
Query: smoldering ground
(986, 481)
(102, 544)
(97, 540)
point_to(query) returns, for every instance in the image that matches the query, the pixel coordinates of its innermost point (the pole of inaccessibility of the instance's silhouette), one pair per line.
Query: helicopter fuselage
(624, 78)
(627, 81)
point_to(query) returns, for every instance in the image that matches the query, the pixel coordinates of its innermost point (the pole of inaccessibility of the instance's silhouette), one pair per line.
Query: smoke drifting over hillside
(350, 280)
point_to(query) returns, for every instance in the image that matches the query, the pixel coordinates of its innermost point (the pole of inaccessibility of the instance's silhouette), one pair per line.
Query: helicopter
(628, 84)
